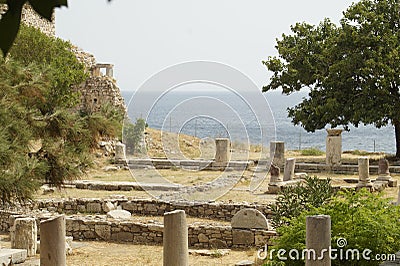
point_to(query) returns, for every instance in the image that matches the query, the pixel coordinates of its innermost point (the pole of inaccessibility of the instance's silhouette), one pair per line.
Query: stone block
(202, 238)
(24, 235)
(103, 231)
(119, 214)
(93, 207)
(242, 237)
(12, 256)
(122, 236)
(249, 219)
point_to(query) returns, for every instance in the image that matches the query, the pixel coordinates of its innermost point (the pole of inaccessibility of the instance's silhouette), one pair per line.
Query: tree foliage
(133, 134)
(43, 135)
(364, 219)
(351, 70)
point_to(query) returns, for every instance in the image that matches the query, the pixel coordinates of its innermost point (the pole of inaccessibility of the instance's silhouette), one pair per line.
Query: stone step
(12, 256)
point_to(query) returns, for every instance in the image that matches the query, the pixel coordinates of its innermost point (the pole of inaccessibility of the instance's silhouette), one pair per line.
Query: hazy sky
(143, 37)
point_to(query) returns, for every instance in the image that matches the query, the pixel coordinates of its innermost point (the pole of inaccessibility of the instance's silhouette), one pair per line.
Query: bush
(365, 220)
(311, 152)
(294, 200)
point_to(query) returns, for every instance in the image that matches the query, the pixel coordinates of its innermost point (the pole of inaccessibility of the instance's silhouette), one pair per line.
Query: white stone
(108, 206)
(249, 219)
(119, 214)
(12, 256)
(288, 173)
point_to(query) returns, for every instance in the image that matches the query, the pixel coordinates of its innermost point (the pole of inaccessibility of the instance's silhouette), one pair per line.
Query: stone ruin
(98, 89)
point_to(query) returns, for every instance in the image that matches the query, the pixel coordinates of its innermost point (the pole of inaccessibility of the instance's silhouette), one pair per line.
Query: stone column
(318, 237)
(277, 153)
(175, 239)
(398, 197)
(363, 172)
(24, 235)
(109, 72)
(288, 174)
(275, 175)
(222, 147)
(383, 170)
(334, 147)
(52, 242)
(120, 152)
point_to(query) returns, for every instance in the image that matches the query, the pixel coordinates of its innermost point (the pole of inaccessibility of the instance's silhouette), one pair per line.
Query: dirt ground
(89, 253)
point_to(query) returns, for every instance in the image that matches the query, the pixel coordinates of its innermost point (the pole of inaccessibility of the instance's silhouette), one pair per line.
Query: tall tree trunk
(396, 124)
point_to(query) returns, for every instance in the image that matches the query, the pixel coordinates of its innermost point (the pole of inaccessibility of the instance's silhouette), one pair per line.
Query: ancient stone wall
(99, 91)
(100, 228)
(150, 207)
(31, 18)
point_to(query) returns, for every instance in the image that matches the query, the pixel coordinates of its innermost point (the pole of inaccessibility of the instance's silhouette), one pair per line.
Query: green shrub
(311, 152)
(294, 200)
(365, 220)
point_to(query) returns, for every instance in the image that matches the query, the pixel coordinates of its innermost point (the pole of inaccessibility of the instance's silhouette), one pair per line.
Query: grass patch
(312, 152)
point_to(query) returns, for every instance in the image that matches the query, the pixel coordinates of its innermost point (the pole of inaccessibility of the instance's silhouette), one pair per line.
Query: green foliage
(311, 152)
(57, 62)
(364, 219)
(133, 134)
(351, 70)
(294, 200)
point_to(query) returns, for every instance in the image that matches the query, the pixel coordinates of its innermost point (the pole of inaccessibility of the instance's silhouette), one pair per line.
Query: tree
(133, 134)
(365, 220)
(11, 20)
(43, 137)
(351, 70)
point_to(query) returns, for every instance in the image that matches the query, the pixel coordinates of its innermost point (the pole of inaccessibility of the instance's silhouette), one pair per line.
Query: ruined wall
(100, 228)
(150, 207)
(31, 18)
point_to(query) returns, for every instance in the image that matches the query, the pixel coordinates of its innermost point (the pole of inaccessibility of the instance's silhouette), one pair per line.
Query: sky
(143, 37)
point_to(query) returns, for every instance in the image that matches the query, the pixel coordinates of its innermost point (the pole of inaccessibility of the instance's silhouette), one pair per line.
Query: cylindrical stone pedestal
(334, 147)
(363, 172)
(277, 153)
(288, 174)
(318, 237)
(175, 239)
(222, 148)
(120, 152)
(52, 242)
(24, 235)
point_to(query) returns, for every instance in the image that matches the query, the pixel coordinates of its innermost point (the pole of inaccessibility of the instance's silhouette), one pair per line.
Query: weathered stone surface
(334, 147)
(52, 241)
(363, 173)
(244, 263)
(24, 235)
(249, 219)
(318, 237)
(242, 237)
(207, 252)
(103, 231)
(108, 206)
(383, 170)
(289, 169)
(12, 256)
(122, 236)
(120, 152)
(277, 153)
(275, 174)
(94, 207)
(203, 238)
(119, 214)
(222, 147)
(175, 239)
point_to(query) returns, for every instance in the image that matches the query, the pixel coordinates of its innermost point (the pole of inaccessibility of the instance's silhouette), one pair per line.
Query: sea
(257, 118)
